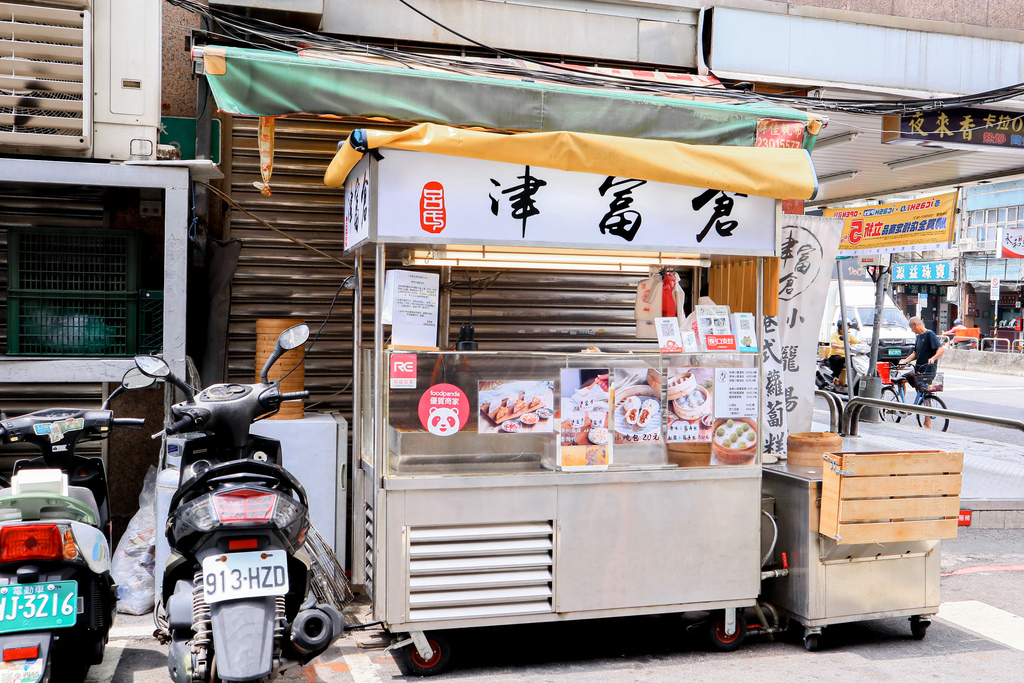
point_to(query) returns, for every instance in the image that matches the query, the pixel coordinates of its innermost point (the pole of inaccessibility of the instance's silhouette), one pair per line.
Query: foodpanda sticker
(444, 409)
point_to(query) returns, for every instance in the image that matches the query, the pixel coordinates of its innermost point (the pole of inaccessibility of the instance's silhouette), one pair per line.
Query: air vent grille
(459, 572)
(44, 73)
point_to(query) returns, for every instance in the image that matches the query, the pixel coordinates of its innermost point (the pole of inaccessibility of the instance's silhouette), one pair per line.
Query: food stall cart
(499, 487)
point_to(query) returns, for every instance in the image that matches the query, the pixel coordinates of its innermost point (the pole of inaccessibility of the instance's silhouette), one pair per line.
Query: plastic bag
(133, 562)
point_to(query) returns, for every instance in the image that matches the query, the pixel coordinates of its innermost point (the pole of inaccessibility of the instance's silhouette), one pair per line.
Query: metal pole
(357, 342)
(846, 331)
(871, 385)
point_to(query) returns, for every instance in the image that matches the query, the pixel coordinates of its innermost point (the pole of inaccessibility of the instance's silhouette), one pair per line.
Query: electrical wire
(264, 34)
(306, 351)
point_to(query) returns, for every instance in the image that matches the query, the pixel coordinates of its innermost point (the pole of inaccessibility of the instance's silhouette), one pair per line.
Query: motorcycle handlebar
(294, 395)
(129, 422)
(178, 426)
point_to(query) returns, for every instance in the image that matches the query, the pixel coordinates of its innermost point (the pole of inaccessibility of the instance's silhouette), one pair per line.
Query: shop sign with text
(925, 223)
(435, 199)
(923, 271)
(957, 129)
(1011, 243)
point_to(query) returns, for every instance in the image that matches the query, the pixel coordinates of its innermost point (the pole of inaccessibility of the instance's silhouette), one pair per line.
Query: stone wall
(995, 362)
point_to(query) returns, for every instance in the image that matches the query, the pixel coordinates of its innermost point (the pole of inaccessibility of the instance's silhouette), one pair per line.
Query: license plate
(38, 606)
(245, 575)
(895, 352)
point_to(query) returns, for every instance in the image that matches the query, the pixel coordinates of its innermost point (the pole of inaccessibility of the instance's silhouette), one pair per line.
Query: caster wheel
(919, 627)
(720, 640)
(414, 665)
(812, 642)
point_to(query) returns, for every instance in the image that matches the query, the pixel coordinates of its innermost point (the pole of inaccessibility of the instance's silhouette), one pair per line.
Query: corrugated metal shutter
(519, 310)
(44, 206)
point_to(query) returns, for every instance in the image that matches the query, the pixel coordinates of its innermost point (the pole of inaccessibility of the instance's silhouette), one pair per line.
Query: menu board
(584, 441)
(637, 414)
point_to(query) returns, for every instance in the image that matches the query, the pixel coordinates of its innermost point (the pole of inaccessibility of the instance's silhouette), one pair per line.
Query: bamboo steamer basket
(690, 453)
(804, 449)
(267, 330)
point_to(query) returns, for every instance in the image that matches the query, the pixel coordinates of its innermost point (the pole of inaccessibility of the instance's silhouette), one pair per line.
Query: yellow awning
(759, 171)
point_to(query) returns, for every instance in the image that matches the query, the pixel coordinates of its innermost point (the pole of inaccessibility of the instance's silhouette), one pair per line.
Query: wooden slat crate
(890, 496)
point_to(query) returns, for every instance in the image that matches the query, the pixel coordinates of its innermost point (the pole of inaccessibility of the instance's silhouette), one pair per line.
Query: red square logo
(964, 519)
(403, 371)
(720, 342)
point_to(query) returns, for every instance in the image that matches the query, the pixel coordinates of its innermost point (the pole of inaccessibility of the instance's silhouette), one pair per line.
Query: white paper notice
(736, 392)
(414, 308)
(668, 335)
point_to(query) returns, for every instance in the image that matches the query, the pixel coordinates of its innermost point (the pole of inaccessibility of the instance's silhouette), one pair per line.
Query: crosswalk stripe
(104, 671)
(985, 620)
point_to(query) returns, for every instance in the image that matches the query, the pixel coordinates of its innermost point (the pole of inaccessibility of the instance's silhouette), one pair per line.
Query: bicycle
(897, 393)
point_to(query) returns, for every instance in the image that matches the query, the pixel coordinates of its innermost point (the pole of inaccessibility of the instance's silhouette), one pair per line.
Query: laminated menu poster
(734, 441)
(516, 407)
(584, 441)
(690, 401)
(637, 413)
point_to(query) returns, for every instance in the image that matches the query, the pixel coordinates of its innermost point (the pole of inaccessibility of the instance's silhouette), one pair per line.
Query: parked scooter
(236, 603)
(57, 597)
(856, 368)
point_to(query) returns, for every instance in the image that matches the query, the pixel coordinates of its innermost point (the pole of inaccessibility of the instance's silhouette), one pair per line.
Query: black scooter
(236, 584)
(57, 597)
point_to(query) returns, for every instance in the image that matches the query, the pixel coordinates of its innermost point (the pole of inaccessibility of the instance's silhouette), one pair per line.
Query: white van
(896, 339)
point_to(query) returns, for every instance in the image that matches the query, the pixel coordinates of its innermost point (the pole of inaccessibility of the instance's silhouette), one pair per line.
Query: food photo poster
(584, 441)
(690, 401)
(514, 407)
(637, 413)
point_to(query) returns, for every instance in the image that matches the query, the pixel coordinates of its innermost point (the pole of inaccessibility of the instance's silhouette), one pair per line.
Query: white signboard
(411, 299)
(736, 392)
(809, 245)
(357, 204)
(436, 199)
(994, 289)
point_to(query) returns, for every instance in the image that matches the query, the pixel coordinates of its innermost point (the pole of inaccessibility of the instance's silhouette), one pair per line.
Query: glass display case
(491, 413)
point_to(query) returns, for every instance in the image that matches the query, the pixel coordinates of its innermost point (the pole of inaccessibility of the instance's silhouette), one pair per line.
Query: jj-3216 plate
(38, 606)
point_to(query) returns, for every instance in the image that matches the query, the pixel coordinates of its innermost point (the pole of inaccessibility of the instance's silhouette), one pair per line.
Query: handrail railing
(835, 409)
(1018, 345)
(995, 343)
(851, 414)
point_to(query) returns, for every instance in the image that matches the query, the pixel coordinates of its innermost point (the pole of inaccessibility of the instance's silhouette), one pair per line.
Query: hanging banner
(972, 129)
(805, 267)
(1011, 243)
(902, 226)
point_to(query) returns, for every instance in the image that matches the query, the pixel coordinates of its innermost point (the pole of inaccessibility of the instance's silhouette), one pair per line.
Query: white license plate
(232, 576)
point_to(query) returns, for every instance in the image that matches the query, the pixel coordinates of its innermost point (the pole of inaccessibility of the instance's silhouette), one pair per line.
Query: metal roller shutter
(520, 311)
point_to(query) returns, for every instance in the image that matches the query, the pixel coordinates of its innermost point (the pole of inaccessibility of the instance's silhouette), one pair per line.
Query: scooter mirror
(151, 366)
(294, 337)
(135, 379)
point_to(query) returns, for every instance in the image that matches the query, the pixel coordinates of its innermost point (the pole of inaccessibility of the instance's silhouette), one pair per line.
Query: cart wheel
(812, 641)
(415, 665)
(919, 627)
(722, 641)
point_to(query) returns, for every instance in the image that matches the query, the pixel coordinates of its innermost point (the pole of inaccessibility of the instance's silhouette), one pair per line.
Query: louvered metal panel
(480, 570)
(45, 73)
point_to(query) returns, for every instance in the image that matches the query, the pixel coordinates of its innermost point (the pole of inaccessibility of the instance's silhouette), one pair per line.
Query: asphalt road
(978, 636)
(984, 394)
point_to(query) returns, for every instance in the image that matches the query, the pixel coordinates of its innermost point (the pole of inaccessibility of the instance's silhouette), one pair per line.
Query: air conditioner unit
(80, 78)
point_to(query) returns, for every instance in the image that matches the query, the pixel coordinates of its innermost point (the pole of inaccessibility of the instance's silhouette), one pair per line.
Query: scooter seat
(79, 493)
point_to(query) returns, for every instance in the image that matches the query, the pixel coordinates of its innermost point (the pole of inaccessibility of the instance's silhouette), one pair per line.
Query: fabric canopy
(264, 83)
(759, 171)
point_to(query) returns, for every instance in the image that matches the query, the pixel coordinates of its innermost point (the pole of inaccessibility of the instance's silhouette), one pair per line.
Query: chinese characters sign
(437, 199)
(779, 133)
(902, 226)
(357, 204)
(1011, 243)
(957, 128)
(923, 271)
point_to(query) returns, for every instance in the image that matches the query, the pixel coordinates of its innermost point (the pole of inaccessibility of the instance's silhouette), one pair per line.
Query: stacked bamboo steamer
(805, 449)
(267, 330)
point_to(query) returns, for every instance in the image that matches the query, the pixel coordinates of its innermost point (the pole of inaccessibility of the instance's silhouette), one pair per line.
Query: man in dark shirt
(927, 351)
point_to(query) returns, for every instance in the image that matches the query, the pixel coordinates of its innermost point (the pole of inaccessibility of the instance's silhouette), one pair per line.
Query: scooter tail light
(244, 505)
(17, 654)
(31, 542)
(70, 547)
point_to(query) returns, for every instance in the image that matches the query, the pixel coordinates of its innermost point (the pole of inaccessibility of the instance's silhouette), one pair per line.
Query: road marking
(104, 671)
(989, 568)
(136, 631)
(985, 620)
(360, 667)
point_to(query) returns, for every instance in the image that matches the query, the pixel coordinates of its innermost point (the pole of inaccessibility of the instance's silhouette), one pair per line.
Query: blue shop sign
(923, 271)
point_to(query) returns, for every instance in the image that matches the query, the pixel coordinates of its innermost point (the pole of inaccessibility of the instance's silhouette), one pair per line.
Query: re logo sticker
(402, 371)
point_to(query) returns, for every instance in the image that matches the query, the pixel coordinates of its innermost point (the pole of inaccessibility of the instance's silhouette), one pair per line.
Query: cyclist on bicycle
(928, 349)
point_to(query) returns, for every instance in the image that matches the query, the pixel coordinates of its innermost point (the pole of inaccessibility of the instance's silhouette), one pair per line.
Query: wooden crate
(890, 496)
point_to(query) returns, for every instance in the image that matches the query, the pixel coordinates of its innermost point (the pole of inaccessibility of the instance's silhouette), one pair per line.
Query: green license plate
(38, 606)
(895, 352)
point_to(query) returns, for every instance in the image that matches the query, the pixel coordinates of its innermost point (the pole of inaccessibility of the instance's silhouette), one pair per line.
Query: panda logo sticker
(444, 409)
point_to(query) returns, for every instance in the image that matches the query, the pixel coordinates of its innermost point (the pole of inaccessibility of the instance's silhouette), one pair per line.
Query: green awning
(264, 83)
